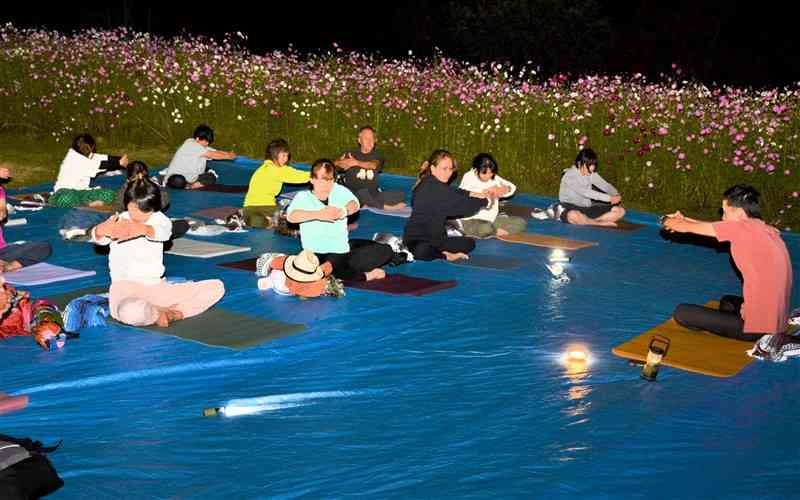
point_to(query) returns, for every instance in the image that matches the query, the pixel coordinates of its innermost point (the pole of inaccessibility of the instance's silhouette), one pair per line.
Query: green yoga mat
(215, 327)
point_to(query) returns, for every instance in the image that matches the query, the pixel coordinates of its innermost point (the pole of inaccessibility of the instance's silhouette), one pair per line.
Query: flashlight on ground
(213, 412)
(656, 352)
(558, 256)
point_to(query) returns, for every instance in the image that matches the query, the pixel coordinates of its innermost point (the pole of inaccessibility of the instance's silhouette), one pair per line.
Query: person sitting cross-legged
(581, 203)
(760, 255)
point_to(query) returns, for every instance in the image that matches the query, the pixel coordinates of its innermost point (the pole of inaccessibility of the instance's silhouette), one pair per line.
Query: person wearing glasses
(433, 201)
(322, 214)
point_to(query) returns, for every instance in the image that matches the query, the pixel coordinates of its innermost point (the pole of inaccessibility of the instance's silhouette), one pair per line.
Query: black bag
(25, 470)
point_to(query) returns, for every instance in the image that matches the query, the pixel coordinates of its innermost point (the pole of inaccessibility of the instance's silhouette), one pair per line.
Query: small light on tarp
(656, 352)
(213, 412)
(558, 255)
(576, 359)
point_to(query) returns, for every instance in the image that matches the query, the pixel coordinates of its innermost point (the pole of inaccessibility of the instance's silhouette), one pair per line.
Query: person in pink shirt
(760, 255)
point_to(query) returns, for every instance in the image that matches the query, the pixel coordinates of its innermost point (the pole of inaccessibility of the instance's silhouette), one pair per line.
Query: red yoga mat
(401, 284)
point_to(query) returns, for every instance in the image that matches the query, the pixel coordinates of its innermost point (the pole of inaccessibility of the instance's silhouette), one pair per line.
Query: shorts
(594, 211)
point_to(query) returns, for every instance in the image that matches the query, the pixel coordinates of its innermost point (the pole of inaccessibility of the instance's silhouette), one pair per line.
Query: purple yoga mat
(400, 284)
(242, 265)
(223, 188)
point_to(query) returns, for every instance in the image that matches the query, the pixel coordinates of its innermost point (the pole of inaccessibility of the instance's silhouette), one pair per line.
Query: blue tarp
(455, 394)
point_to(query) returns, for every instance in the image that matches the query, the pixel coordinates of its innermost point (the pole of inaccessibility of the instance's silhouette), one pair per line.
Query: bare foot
(163, 319)
(455, 256)
(96, 203)
(376, 274)
(502, 232)
(195, 185)
(174, 315)
(168, 315)
(10, 267)
(398, 206)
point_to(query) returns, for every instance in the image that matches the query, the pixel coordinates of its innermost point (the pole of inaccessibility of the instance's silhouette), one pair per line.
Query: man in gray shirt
(577, 194)
(361, 169)
(187, 170)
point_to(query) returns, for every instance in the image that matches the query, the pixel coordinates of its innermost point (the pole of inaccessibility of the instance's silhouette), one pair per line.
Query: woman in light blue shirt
(322, 214)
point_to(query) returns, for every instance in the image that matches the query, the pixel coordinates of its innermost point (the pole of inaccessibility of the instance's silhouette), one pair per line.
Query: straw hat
(303, 267)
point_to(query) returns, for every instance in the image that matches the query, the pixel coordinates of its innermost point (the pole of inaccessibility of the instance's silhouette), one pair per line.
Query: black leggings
(364, 256)
(424, 250)
(378, 199)
(725, 322)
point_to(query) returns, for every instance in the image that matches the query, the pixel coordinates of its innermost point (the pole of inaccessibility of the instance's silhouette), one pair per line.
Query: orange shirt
(308, 290)
(762, 257)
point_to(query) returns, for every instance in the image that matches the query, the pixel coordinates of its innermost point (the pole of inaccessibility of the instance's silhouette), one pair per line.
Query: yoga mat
(186, 247)
(403, 212)
(497, 262)
(541, 240)
(693, 351)
(29, 196)
(222, 328)
(103, 209)
(222, 188)
(215, 327)
(216, 212)
(516, 210)
(622, 225)
(242, 265)
(400, 284)
(41, 273)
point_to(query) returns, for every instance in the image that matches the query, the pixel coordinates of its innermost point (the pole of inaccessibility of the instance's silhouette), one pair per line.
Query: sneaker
(540, 214)
(558, 211)
(550, 211)
(72, 233)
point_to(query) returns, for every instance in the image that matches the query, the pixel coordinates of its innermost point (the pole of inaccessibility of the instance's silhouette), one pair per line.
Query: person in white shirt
(187, 170)
(488, 222)
(81, 164)
(139, 295)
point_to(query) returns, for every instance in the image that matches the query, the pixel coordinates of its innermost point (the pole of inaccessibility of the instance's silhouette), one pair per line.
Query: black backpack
(25, 470)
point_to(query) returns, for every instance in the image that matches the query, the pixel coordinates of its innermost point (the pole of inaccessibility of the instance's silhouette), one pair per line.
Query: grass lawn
(34, 161)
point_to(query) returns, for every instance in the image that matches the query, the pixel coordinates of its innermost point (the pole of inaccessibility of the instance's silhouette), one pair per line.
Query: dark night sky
(752, 43)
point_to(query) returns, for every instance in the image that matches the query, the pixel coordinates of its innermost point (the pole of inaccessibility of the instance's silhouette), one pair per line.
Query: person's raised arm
(112, 163)
(679, 224)
(213, 154)
(291, 175)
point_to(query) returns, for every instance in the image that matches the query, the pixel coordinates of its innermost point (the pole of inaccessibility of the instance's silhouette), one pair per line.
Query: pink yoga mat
(12, 403)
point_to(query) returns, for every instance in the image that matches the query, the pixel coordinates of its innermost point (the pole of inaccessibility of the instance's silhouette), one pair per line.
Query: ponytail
(425, 169)
(140, 190)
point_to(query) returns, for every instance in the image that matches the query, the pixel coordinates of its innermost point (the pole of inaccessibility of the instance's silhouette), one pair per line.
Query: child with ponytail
(139, 295)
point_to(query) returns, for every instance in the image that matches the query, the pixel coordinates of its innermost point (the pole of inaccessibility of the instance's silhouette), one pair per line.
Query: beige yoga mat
(693, 351)
(542, 240)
